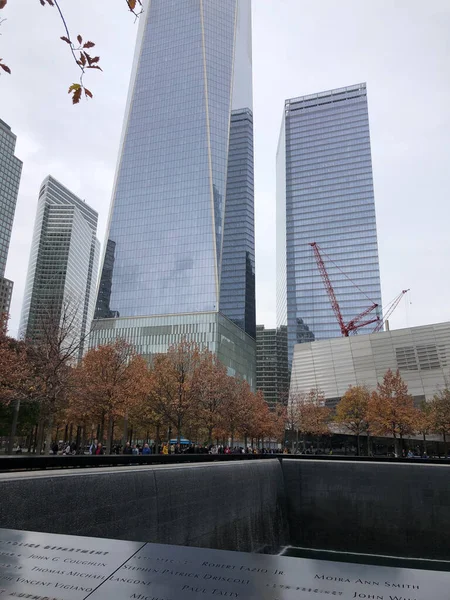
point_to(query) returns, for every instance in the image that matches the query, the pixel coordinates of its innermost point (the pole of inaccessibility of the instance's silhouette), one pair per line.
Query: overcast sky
(401, 48)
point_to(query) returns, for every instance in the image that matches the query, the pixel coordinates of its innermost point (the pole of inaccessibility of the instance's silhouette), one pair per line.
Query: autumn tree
(16, 376)
(210, 388)
(233, 408)
(293, 416)
(110, 380)
(424, 422)
(172, 390)
(307, 414)
(440, 415)
(351, 411)
(391, 409)
(279, 420)
(315, 415)
(252, 421)
(53, 352)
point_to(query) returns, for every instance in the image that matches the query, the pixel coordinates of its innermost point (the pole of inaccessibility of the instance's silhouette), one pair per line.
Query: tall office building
(179, 255)
(272, 372)
(10, 172)
(62, 271)
(325, 195)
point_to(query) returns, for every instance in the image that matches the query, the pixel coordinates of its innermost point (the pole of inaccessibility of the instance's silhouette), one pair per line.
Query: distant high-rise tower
(10, 172)
(179, 256)
(325, 195)
(62, 272)
(272, 372)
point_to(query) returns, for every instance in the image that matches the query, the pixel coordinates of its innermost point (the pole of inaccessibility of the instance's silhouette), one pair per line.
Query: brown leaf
(87, 93)
(88, 45)
(65, 39)
(80, 39)
(76, 96)
(5, 68)
(131, 4)
(95, 59)
(82, 59)
(3, 3)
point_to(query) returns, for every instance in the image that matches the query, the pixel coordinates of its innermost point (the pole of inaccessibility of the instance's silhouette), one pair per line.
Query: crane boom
(326, 280)
(390, 310)
(355, 323)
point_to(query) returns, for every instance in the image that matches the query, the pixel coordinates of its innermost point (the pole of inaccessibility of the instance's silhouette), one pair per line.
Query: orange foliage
(391, 408)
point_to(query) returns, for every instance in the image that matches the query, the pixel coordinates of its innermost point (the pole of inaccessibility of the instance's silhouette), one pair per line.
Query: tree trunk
(178, 431)
(110, 434)
(444, 435)
(83, 438)
(48, 436)
(245, 441)
(14, 426)
(169, 436)
(71, 433)
(358, 443)
(232, 438)
(396, 446)
(102, 429)
(125, 430)
(158, 435)
(35, 437)
(66, 429)
(369, 447)
(78, 439)
(296, 443)
(424, 443)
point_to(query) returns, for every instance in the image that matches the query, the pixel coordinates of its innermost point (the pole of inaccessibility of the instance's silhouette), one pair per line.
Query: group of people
(96, 448)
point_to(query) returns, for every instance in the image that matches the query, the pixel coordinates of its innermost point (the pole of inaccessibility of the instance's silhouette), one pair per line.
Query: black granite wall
(380, 508)
(229, 506)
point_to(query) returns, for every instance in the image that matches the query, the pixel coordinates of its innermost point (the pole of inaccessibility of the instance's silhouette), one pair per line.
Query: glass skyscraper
(325, 195)
(272, 372)
(10, 172)
(180, 237)
(62, 271)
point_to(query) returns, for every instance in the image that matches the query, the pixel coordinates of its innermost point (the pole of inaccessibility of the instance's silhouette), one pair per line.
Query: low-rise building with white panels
(421, 354)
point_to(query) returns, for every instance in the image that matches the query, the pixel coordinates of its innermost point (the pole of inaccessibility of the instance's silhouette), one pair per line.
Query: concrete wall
(380, 508)
(230, 506)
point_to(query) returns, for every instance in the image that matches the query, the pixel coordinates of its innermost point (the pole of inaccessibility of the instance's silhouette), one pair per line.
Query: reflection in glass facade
(172, 238)
(325, 195)
(62, 271)
(10, 172)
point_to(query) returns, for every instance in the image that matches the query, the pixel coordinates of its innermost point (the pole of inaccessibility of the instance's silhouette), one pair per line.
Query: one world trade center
(179, 259)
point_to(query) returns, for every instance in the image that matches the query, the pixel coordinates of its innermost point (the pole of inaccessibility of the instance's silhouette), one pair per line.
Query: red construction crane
(357, 322)
(389, 310)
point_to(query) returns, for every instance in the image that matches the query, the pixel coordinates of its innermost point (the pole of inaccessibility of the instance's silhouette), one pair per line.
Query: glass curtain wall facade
(62, 271)
(272, 372)
(237, 285)
(325, 195)
(187, 124)
(10, 172)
